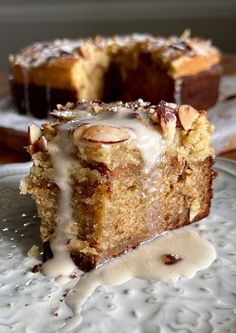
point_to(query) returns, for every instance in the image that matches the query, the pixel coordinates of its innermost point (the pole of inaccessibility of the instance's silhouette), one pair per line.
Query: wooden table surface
(8, 155)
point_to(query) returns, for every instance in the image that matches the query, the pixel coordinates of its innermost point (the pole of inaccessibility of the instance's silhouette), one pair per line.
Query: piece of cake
(107, 177)
(181, 69)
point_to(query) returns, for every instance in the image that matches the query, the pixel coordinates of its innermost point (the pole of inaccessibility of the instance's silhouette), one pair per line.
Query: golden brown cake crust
(183, 55)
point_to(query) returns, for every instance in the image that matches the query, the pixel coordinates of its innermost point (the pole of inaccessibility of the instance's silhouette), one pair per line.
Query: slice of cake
(181, 69)
(107, 177)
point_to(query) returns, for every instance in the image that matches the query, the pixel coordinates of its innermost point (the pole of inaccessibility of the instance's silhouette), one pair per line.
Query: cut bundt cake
(107, 177)
(181, 69)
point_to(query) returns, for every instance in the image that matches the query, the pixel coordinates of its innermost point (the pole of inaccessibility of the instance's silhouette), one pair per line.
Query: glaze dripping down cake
(181, 69)
(107, 177)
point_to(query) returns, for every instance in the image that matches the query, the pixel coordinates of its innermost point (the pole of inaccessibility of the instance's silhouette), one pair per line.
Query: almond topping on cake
(34, 133)
(43, 144)
(105, 134)
(167, 120)
(78, 132)
(187, 115)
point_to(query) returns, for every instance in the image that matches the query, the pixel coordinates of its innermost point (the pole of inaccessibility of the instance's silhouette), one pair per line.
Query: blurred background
(25, 21)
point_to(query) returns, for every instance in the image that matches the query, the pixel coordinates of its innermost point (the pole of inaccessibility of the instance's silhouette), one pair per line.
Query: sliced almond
(60, 107)
(78, 133)
(43, 144)
(97, 108)
(34, 133)
(32, 149)
(155, 117)
(105, 134)
(84, 52)
(69, 105)
(186, 34)
(187, 115)
(168, 128)
(50, 129)
(167, 120)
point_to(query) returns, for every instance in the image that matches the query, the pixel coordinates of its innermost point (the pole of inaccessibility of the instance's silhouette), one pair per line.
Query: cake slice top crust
(118, 134)
(181, 55)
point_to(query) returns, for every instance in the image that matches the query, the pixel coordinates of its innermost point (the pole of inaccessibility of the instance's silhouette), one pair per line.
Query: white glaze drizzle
(26, 89)
(146, 263)
(151, 145)
(177, 91)
(61, 263)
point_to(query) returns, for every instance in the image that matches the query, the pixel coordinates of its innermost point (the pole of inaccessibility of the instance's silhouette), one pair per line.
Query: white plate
(32, 303)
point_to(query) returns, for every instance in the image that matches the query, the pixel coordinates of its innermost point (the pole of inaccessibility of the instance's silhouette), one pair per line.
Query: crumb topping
(182, 130)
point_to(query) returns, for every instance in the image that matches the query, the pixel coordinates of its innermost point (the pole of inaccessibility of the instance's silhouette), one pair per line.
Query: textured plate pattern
(32, 303)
